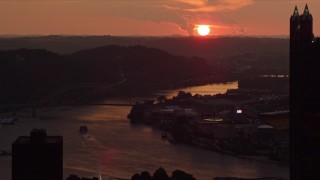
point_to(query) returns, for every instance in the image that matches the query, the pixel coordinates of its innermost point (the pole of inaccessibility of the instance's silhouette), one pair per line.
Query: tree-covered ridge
(29, 73)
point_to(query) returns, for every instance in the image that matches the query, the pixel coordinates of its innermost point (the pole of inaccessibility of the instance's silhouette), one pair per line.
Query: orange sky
(151, 17)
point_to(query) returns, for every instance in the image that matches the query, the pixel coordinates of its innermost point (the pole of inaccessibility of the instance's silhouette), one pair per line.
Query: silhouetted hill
(30, 74)
(144, 65)
(268, 52)
(22, 71)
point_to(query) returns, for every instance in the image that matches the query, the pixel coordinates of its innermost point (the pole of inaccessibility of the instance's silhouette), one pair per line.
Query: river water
(119, 149)
(208, 89)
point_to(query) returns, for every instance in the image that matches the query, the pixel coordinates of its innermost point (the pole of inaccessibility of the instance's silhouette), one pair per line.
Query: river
(120, 149)
(208, 89)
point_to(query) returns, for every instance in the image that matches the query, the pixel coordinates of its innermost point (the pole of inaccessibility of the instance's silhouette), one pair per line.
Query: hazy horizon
(136, 35)
(155, 18)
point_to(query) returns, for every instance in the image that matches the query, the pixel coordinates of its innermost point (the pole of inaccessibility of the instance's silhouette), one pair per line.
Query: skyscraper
(304, 97)
(37, 157)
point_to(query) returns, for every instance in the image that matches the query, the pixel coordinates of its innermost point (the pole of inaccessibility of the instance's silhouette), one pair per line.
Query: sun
(203, 30)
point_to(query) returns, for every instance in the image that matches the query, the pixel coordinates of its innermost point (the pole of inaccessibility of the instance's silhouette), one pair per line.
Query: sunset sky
(151, 17)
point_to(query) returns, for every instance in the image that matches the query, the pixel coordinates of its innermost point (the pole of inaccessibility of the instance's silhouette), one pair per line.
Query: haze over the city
(145, 17)
(159, 89)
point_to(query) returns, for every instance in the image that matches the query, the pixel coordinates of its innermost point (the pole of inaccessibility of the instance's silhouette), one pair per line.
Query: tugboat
(83, 129)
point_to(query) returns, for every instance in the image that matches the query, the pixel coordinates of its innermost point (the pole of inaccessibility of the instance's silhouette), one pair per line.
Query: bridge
(53, 94)
(50, 96)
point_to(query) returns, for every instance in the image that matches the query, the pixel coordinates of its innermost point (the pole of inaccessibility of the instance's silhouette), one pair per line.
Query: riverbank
(216, 148)
(123, 148)
(185, 118)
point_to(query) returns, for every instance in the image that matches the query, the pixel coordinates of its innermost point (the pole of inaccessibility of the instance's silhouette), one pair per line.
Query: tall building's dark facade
(37, 157)
(304, 97)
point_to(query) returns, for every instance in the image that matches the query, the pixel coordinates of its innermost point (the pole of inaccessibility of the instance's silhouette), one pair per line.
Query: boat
(83, 129)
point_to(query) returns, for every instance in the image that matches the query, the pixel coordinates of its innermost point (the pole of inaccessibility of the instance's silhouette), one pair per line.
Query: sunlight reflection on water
(210, 89)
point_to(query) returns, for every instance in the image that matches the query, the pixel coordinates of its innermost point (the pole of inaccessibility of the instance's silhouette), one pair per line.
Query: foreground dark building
(304, 97)
(37, 157)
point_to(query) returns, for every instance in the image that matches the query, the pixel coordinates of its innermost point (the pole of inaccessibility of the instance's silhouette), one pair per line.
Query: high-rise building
(304, 97)
(37, 157)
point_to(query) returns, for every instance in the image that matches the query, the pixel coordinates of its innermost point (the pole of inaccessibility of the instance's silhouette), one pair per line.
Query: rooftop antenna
(306, 10)
(296, 12)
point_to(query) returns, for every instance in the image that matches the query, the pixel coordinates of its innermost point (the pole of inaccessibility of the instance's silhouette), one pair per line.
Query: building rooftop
(47, 140)
(38, 136)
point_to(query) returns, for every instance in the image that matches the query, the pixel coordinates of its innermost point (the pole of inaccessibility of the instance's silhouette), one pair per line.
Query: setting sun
(203, 30)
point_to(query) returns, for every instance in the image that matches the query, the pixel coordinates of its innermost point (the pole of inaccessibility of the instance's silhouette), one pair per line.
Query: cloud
(184, 13)
(212, 12)
(157, 11)
(216, 5)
